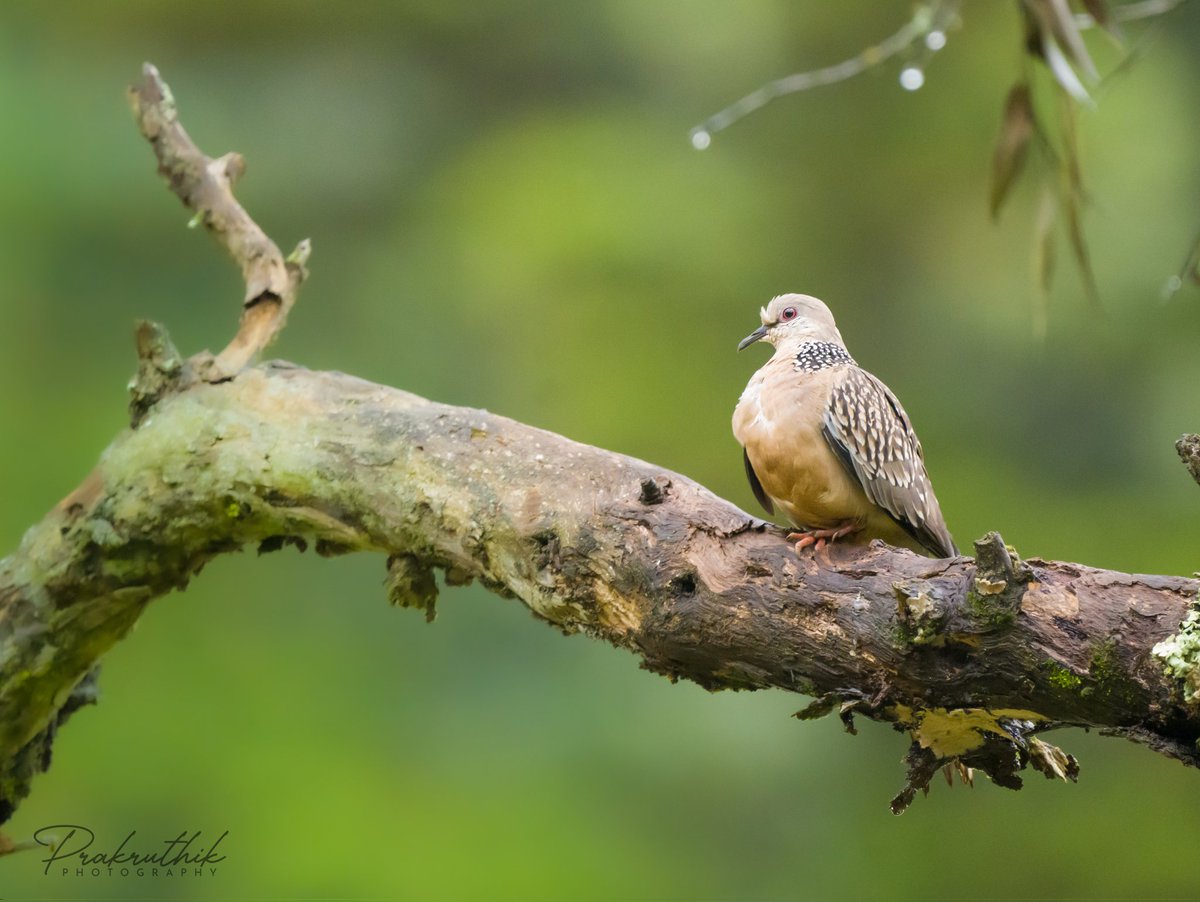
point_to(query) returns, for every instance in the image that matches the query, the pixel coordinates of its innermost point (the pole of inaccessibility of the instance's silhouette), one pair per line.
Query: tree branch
(205, 185)
(963, 653)
(972, 657)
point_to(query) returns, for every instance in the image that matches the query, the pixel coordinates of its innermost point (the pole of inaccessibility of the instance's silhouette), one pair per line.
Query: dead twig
(205, 185)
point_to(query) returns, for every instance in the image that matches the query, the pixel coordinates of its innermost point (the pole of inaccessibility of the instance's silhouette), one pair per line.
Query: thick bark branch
(972, 656)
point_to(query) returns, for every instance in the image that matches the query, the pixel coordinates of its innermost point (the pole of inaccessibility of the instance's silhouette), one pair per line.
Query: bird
(829, 444)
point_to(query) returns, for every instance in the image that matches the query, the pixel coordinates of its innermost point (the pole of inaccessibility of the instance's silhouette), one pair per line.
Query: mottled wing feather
(755, 485)
(870, 433)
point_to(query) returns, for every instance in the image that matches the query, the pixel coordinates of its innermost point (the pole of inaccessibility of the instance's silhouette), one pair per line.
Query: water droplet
(935, 40)
(911, 78)
(701, 139)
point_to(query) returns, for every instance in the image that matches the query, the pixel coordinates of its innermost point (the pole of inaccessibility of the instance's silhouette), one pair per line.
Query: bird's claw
(819, 537)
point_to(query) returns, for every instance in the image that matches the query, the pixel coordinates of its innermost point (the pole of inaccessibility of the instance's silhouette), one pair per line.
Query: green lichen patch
(993, 611)
(1180, 656)
(1060, 677)
(1110, 676)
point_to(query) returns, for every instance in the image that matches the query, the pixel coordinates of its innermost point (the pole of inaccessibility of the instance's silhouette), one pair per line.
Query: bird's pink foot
(818, 537)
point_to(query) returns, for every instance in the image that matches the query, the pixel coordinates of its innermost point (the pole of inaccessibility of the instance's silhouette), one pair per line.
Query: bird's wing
(756, 486)
(869, 431)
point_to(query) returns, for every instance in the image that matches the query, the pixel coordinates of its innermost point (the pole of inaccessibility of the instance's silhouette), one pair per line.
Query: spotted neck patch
(817, 355)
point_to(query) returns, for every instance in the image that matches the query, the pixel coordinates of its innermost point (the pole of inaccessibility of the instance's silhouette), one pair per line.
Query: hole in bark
(684, 584)
(654, 491)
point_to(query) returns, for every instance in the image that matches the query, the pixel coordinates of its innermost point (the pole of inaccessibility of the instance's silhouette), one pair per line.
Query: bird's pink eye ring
(788, 313)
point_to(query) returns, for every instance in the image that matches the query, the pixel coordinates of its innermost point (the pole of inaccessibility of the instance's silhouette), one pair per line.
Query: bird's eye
(788, 313)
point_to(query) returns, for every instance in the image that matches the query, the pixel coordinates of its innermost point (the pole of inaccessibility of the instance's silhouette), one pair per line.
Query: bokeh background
(506, 213)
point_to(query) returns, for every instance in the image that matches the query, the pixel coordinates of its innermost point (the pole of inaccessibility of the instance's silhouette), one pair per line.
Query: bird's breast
(748, 414)
(779, 420)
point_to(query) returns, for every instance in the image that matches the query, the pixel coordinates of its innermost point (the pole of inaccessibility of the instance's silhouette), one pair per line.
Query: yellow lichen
(956, 731)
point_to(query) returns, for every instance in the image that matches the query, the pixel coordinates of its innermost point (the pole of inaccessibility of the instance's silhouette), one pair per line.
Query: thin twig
(924, 20)
(205, 185)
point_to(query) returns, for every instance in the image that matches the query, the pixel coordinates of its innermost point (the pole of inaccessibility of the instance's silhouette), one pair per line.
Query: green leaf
(1016, 129)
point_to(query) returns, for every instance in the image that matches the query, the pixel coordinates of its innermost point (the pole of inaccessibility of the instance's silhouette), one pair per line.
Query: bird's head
(793, 319)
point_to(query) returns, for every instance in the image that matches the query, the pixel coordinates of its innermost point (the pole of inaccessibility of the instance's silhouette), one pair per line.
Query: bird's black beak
(757, 335)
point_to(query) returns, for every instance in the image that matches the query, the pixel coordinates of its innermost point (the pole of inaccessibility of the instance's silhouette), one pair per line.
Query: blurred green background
(506, 213)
